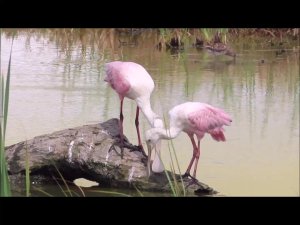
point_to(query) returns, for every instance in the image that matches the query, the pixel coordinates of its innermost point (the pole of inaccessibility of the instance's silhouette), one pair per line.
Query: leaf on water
(81, 182)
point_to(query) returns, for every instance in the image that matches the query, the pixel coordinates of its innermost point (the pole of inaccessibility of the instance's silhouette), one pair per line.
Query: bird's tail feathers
(218, 135)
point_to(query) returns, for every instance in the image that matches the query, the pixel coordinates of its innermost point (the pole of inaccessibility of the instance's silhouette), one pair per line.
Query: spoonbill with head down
(192, 118)
(131, 80)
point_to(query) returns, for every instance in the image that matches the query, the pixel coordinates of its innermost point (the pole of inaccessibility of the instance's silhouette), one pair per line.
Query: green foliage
(177, 187)
(5, 190)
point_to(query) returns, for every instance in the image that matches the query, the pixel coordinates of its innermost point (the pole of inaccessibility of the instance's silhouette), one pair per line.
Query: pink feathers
(132, 81)
(217, 135)
(193, 118)
(116, 79)
(206, 118)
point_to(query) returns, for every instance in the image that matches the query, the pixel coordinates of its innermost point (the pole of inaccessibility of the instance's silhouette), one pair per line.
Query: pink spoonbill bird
(131, 80)
(192, 118)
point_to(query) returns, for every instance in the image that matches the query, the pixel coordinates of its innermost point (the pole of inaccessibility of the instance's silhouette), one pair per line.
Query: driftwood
(91, 152)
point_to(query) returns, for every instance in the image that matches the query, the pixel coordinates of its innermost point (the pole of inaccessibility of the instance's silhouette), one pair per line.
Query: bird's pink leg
(137, 125)
(138, 130)
(121, 126)
(187, 173)
(197, 158)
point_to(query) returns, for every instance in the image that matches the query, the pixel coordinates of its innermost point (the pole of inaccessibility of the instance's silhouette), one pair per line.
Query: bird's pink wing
(116, 78)
(210, 120)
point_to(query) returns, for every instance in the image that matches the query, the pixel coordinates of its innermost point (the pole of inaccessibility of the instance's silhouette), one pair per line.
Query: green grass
(44, 192)
(65, 182)
(177, 187)
(138, 191)
(5, 190)
(68, 192)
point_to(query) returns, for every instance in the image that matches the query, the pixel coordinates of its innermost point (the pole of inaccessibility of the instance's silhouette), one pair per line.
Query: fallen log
(91, 152)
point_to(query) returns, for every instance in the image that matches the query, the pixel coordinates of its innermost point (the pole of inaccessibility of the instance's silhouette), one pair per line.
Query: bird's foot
(113, 147)
(131, 148)
(139, 148)
(187, 175)
(184, 177)
(191, 181)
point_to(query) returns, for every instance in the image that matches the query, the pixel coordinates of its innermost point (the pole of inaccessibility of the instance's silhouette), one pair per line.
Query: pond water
(57, 83)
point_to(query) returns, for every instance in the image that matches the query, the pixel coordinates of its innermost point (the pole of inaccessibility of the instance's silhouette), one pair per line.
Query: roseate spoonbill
(193, 118)
(131, 80)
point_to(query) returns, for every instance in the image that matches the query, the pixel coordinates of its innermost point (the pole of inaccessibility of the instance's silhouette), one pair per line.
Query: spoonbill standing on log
(193, 118)
(131, 80)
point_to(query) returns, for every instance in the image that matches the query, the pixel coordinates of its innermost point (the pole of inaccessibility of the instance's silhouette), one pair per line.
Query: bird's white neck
(157, 165)
(168, 134)
(145, 106)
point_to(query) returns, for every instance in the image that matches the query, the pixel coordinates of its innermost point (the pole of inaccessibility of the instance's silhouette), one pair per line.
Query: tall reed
(4, 99)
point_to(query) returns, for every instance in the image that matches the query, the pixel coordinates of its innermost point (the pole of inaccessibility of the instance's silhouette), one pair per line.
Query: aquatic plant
(4, 99)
